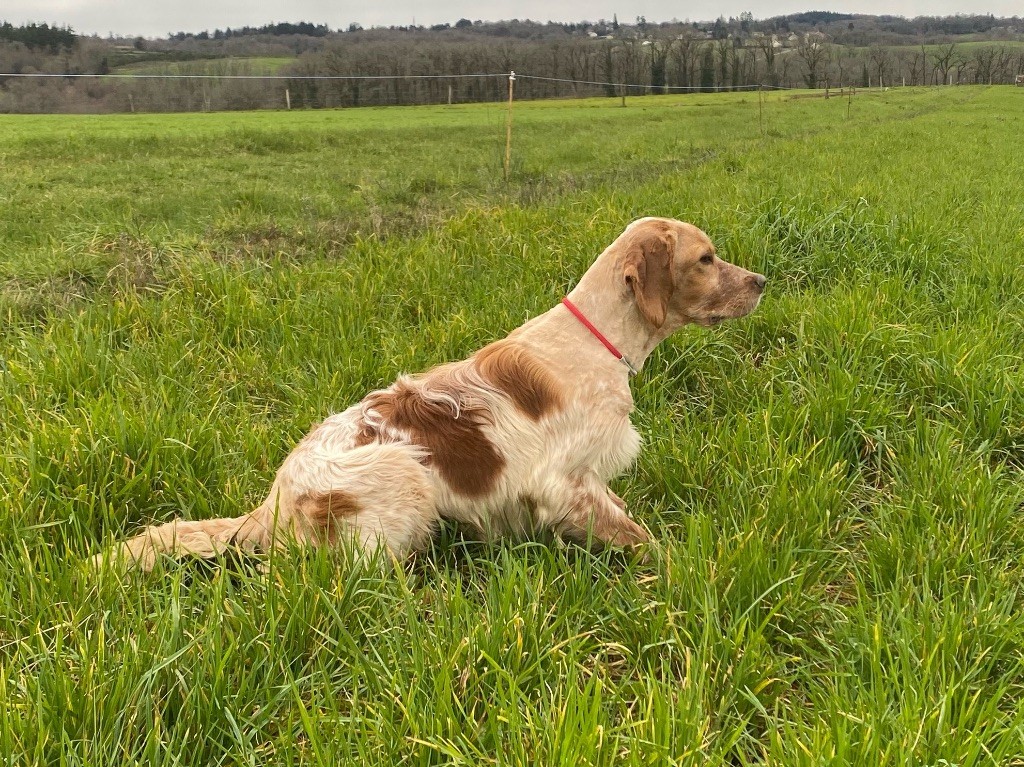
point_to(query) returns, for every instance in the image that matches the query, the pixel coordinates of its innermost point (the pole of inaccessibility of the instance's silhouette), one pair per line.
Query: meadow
(836, 482)
(230, 65)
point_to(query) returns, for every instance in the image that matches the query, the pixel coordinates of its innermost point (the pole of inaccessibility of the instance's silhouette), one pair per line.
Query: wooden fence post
(508, 124)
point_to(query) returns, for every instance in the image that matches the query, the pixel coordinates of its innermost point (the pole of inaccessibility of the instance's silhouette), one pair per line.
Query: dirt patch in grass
(110, 267)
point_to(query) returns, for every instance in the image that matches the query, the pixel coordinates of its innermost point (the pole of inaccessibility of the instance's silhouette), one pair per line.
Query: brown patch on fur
(515, 372)
(459, 450)
(647, 267)
(366, 435)
(324, 510)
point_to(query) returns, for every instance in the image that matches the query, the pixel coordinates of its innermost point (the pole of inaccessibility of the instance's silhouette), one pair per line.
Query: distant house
(760, 37)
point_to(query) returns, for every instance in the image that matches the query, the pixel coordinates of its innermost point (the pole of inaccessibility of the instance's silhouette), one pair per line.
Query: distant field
(222, 66)
(969, 45)
(837, 482)
(972, 45)
(967, 48)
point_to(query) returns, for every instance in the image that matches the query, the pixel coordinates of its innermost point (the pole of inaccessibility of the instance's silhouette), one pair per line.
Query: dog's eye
(707, 258)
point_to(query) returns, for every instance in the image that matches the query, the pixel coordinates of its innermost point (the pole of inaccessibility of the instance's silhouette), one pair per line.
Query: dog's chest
(599, 435)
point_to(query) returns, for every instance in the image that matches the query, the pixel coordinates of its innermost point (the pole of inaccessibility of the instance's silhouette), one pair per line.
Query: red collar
(599, 335)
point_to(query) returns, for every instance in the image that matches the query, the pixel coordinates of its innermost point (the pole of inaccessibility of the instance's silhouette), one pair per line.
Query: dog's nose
(759, 281)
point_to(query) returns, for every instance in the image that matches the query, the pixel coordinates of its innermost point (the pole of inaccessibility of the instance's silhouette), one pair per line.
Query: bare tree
(961, 65)
(786, 63)
(660, 50)
(1004, 57)
(881, 61)
(813, 52)
(632, 62)
(944, 58)
(723, 47)
(917, 67)
(685, 57)
(842, 59)
(765, 43)
(607, 67)
(984, 61)
(746, 66)
(901, 63)
(576, 63)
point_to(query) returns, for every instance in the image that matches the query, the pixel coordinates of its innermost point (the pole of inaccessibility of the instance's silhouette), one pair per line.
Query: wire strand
(648, 85)
(248, 77)
(121, 76)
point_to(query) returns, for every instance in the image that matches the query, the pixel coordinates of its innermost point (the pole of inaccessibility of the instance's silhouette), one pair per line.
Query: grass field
(231, 65)
(837, 481)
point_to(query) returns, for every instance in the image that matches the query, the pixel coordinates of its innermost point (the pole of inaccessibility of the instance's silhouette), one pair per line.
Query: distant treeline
(275, 30)
(39, 36)
(416, 65)
(899, 25)
(920, 26)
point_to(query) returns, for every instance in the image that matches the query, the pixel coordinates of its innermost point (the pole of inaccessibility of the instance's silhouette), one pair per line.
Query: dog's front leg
(584, 508)
(616, 500)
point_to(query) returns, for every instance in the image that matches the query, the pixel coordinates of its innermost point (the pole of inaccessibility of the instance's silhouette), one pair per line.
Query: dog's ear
(647, 269)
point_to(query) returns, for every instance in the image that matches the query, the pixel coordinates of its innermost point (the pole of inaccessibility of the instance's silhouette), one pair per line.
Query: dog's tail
(205, 538)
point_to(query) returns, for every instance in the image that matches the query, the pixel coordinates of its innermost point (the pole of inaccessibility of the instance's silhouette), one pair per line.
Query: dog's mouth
(710, 320)
(729, 312)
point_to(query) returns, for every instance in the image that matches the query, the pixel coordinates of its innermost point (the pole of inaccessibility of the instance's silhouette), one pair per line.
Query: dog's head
(673, 273)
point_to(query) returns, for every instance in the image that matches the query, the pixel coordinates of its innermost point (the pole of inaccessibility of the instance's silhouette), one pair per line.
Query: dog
(521, 437)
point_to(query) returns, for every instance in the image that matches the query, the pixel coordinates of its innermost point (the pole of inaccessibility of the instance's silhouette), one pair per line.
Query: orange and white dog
(522, 436)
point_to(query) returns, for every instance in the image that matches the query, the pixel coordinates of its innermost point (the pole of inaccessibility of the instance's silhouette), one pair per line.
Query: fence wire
(40, 92)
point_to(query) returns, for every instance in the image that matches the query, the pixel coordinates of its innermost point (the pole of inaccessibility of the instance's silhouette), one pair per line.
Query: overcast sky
(157, 18)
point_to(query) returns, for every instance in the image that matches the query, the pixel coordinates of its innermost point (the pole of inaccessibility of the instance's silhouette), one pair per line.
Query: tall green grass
(836, 482)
